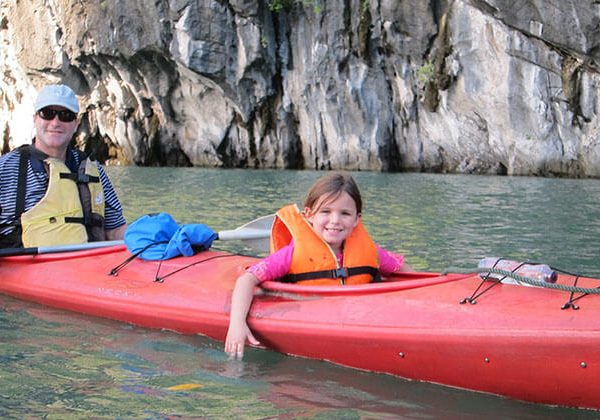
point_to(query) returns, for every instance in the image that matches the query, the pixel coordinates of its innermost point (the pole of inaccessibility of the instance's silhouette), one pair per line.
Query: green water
(55, 364)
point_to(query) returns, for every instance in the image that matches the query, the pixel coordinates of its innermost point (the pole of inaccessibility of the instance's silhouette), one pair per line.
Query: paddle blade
(254, 234)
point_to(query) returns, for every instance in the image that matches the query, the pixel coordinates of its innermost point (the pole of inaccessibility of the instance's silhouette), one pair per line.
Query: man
(51, 194)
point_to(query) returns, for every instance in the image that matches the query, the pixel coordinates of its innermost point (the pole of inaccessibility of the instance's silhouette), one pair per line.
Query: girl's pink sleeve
(389, 262)
(274, 266)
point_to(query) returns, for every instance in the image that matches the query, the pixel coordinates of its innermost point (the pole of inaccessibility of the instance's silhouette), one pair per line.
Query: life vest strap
(339, 273)
(81, 177)
(83, 221)
(13, 239)
(21, 183)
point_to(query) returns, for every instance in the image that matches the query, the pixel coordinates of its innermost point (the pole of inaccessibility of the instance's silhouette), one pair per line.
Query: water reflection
(62, 365)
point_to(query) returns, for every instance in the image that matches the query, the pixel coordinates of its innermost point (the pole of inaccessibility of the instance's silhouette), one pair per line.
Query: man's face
(54, 130)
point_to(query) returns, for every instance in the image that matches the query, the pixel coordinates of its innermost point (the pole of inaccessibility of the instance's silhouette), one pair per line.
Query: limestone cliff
(468, 86)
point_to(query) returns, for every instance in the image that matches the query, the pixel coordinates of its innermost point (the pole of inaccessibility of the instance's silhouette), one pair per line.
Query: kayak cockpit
(399, 281)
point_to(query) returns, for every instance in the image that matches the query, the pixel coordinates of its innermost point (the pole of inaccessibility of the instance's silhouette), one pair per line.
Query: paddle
(11, 252)
(255, 234)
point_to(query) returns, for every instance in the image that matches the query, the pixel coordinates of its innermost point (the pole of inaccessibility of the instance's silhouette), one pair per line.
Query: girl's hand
(238, 331)
(236, 339)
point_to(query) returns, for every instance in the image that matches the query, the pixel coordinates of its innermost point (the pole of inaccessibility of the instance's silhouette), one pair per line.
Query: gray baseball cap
(58, 95)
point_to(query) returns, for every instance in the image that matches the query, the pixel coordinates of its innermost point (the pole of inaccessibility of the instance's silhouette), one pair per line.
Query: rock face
(471, 86)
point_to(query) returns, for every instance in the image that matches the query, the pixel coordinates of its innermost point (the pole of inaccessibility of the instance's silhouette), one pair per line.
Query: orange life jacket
(313, 260)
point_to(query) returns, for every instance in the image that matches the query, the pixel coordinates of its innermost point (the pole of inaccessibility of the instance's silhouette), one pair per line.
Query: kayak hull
(516, 341)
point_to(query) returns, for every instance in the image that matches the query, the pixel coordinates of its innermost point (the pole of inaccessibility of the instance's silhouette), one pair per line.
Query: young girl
(324, 244)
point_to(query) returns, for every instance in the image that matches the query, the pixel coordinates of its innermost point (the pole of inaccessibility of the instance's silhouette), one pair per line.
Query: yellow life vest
(313, 260)
(58, 218)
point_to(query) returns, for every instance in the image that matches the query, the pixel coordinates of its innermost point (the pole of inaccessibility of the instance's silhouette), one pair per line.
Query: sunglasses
(64, 115)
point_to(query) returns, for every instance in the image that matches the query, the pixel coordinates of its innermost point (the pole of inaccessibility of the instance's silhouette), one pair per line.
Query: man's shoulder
(10, 158)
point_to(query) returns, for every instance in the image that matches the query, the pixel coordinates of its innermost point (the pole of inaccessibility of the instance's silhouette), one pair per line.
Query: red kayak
(530, 343)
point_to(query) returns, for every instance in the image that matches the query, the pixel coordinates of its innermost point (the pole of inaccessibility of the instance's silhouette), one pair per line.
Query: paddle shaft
(11, 252)
(255, 233)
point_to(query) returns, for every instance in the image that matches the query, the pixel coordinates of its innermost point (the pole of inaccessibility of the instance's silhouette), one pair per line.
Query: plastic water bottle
(540, 272)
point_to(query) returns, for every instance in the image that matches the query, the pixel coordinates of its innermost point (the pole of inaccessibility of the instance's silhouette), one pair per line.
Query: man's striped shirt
(37, 183)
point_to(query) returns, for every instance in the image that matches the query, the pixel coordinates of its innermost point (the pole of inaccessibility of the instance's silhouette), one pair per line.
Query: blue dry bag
(159, 237)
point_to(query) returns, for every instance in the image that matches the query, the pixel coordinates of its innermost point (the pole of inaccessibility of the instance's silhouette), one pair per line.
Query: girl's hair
(331, 186)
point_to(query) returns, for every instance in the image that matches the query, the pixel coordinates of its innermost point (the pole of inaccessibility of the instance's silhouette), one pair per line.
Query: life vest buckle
(341, 273)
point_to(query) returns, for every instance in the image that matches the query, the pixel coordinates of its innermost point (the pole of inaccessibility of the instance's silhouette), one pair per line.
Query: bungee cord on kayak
(115, 270)
(529, 281)
(158, 237)
(159, 279)
(533, 282)
(162, 279)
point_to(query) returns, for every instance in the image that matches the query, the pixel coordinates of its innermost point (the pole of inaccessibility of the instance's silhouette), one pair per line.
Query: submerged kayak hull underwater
(516, 341)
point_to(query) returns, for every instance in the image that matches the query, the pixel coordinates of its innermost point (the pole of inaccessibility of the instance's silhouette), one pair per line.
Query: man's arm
(115, 234)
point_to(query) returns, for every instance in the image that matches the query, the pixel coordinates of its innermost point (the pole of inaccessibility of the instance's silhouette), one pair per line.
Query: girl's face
(333, 220)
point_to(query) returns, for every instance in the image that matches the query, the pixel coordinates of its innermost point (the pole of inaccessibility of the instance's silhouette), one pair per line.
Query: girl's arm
(238, 331)
(405, 267)
(390, 262)
(272, 267)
